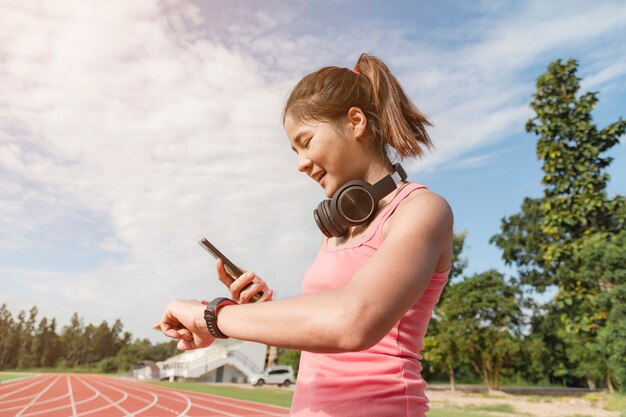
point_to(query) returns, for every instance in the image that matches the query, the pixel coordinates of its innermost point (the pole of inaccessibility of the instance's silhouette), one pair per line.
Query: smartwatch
(210, 316)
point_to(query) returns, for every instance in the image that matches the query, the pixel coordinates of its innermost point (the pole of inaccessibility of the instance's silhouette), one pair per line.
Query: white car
(279, 374)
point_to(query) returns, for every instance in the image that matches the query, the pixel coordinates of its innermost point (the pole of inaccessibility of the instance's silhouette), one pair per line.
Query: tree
(482, 315)
(612, 340)
(72, 339)
(7, 330)
(546, 238)
(602, 260)
(440, 345)
(575, 200)
(289, 357)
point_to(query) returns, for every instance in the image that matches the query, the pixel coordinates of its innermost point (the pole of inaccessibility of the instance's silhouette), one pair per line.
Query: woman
(370, 293)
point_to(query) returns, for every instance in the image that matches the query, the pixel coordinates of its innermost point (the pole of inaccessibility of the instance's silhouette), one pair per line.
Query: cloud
(130, 130)
(117, 115)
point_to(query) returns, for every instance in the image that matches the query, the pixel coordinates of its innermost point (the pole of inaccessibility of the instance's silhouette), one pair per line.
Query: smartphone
(230, 267)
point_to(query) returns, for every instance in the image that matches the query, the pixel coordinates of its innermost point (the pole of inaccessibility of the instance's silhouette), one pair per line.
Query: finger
(267, 296)
(172, 333)
(252, 290)
(166, 325)
(185, 334)
(237, 286)
(223, 276)
(184, 345)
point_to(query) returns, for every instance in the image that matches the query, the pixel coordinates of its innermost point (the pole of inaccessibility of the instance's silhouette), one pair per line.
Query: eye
(306, 144)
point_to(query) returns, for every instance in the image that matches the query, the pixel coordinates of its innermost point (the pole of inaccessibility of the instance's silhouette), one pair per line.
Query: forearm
(316, 322)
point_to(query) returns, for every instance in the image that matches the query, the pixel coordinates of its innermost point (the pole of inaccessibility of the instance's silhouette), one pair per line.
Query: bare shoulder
(423, 211)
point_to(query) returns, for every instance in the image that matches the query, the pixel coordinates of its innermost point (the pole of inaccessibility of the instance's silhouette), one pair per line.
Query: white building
(226, 360)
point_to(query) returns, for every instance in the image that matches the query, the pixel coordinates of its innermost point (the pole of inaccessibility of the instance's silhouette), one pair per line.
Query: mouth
(318, 177)
(321, 179)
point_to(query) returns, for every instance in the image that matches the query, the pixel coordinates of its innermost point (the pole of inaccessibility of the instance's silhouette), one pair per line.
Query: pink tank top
(384, 380)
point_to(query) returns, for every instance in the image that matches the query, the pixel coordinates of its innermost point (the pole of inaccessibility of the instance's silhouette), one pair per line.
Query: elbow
(353, 331)
(358, 343)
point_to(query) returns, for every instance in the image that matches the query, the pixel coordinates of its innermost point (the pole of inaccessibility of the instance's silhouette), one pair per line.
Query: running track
(64, 395)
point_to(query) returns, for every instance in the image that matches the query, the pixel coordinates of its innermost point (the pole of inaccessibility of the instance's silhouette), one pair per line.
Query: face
(331, 154)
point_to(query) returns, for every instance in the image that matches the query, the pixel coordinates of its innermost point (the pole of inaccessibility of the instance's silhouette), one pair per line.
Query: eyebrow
(298, 138)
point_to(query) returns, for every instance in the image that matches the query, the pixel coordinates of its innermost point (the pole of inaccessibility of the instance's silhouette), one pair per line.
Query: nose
(304, 163)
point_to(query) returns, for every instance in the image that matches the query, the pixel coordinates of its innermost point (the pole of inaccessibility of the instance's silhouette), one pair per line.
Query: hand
(183, 320)
(237, 292)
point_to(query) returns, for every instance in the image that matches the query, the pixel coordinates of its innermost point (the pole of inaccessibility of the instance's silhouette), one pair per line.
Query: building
(146, 371)
(226, 360)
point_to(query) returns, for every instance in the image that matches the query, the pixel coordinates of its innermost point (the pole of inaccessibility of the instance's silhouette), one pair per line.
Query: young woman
(381, 267)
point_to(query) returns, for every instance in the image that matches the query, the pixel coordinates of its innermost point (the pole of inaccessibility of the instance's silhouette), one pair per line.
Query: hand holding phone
(232, 270)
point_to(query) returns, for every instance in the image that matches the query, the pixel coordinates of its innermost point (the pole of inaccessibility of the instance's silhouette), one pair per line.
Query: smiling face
(331, 153)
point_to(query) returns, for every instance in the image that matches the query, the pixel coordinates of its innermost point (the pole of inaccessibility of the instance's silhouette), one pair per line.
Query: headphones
(354, 203)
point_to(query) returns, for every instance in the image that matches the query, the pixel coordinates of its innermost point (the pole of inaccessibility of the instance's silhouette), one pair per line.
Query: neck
(375, 172)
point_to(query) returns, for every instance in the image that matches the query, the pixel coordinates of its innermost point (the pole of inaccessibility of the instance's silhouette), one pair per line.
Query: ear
(357, 122)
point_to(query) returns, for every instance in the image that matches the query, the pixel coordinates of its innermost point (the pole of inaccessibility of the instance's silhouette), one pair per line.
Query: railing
(184, 368)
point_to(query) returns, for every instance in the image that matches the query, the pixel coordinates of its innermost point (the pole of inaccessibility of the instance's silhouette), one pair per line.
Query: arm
(359, 314)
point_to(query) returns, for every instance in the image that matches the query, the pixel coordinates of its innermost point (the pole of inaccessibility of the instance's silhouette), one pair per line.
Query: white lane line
(37, 397)
(21, 378)
(178, 413)
(249, 404)
(222, 402)
(72, 402)
(43, 378)
(113, 403)
(39, 403)
(46, 411)
(153, 403)
(16, 399)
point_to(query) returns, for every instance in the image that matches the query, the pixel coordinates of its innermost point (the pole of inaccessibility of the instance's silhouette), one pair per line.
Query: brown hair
(392, 119)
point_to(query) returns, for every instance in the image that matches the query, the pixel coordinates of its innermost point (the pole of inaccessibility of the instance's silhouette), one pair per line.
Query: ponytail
(392, 119)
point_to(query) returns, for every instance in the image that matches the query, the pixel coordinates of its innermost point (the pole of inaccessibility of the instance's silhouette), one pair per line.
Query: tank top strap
(377, 229)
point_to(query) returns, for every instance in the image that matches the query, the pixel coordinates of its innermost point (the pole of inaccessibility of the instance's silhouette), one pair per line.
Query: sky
(130, 130)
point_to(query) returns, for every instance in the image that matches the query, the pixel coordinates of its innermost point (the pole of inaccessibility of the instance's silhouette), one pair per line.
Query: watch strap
(210, 316)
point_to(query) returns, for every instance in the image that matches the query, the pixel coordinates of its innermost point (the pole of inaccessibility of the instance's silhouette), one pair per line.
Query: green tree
(459, 263)
(546, 238)
(612, 339)
(602, 260)
(483, 316)
(289, 357)
(570, 146)
(72, 340)
(7, 330)
(25, 356)
(441, 349)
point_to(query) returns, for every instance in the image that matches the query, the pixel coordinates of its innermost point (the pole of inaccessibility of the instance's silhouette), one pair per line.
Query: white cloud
(147, 127)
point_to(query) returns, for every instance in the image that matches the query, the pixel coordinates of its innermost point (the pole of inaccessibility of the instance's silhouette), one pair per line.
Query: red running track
(64, 395)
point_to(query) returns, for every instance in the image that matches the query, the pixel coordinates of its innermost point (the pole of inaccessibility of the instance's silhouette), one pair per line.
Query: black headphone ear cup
(324, 214)
(318, 221)
(336, 228)
(357, 204)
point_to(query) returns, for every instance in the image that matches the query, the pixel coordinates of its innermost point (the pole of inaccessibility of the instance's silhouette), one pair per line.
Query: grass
(611, 402)
(5, 376)
(274, 396)
(500, 408)
(539, 399)
(448, 410)
(61, 370)
(455, 412)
